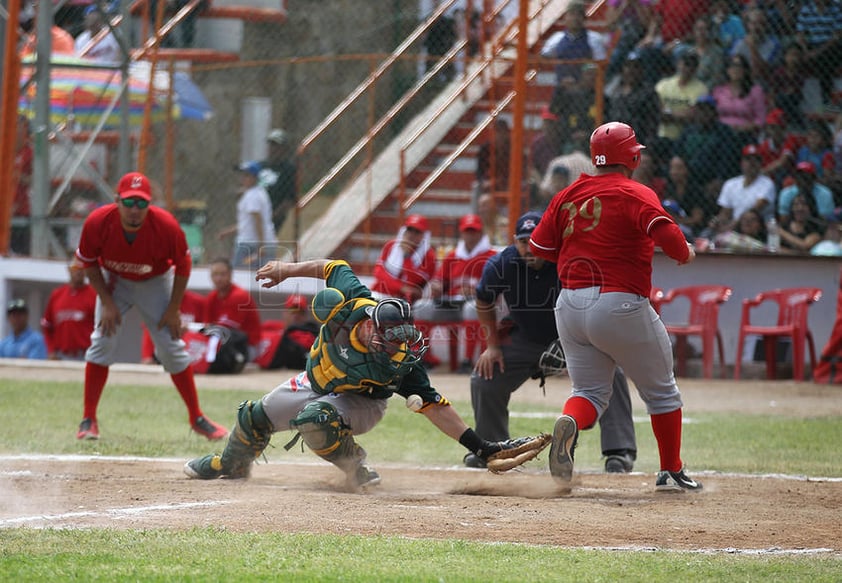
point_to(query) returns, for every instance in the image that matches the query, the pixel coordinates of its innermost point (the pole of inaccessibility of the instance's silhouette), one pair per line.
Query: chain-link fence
(715, 90)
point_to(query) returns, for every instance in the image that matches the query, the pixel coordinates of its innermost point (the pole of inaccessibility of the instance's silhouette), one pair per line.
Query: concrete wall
(746, 274)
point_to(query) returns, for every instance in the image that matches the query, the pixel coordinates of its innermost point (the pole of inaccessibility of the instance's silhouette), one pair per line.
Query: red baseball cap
(134, 185)
(296, 302)
(547, 114)
(417, 222)
(751, 150)
(807, 167)
(470, 223)
(776, 117)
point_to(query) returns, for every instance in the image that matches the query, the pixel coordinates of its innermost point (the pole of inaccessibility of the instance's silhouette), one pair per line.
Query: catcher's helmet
(395, 335)
(615, 143)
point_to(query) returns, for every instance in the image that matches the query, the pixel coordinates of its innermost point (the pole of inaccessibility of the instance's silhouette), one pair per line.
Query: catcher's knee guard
(322, 429)
(247, 441)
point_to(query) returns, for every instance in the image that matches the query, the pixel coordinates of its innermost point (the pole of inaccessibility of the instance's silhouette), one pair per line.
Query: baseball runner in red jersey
(136, 255)
(68, 319)
(601, 232)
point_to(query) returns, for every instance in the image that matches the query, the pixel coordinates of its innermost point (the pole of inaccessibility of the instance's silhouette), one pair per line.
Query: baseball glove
(516, 452)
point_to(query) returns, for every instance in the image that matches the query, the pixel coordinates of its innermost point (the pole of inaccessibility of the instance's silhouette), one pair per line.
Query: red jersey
(192, 311)
(597, 232)
(459, 277)
(158, 245)
(237, 310)
(69, 319)
(416, 276)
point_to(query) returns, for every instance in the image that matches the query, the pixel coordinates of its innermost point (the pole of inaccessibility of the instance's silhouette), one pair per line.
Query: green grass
(152, 421)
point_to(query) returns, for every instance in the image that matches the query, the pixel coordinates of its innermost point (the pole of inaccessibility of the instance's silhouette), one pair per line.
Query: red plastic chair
(703, 321)
(793, 306)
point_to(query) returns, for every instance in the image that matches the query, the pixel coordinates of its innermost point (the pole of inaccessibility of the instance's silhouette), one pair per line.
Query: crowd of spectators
(732, 100)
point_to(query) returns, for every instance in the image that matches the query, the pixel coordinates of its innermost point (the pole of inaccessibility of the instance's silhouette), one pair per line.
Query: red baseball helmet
(615, 143)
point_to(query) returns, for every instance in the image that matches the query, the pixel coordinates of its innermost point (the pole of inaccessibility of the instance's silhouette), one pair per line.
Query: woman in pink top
(740, 101)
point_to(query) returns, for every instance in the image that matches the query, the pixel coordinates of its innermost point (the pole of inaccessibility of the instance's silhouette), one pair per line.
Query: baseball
(414, 402)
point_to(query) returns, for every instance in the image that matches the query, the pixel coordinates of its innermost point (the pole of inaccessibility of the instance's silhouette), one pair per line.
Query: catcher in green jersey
(366, 351)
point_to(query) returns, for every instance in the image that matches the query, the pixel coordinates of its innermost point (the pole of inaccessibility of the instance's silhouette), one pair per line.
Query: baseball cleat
(206, 427)
(565, 436)
(472, 460)
(88, 429)
(204, 468)
(676, 482)
(619, 463)
(363, 477)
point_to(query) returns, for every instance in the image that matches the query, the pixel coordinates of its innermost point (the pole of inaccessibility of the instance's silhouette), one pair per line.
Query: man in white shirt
(107, 50)
(255, 242)
(750, 190)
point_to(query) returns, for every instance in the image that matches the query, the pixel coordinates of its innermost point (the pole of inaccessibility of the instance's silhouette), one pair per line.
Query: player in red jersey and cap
(136, 255)
(601, 232)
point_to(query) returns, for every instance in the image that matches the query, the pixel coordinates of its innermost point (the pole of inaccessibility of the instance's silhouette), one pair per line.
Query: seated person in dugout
(366, 352)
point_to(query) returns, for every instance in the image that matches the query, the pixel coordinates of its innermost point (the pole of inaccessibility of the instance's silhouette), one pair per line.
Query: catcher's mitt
(517, 452)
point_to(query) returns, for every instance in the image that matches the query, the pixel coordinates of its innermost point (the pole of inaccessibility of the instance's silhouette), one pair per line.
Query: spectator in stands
(749, 191)
(762, 49)
(787, 84)
(298, 334)
(555, 180)
(574, 90)
(818, 148)
(647, 173)
(740, 102)
(21, 178)
(727, 27)
(255, 240)
(820, 197)
(831, 243)
(231, 306)
(407, 262)
(547, 145)
(493, 159)
(634, 101)
(440, 37)
(279, 176)
(697, 208)
(61, 40)
(748, 233)
(22, 341)
(709, 147)
(192, 311)
(804, 227)
(777, 148)
(711, 69)
(68, 319)
(107, 49)
(633, 18)
(819, 31)
(495, 221)
(454, 285)
(677, 95)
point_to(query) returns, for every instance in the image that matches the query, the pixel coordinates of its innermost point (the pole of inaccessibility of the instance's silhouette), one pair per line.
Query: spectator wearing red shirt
(406, 263)
(68, 319)
(777, 147)
(192, 312)
(231, 306)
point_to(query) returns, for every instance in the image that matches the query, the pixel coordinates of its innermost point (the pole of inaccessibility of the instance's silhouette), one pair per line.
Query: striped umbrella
(81, 96)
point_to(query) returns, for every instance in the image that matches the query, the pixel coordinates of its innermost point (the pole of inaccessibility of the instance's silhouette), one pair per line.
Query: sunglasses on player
(134, 202)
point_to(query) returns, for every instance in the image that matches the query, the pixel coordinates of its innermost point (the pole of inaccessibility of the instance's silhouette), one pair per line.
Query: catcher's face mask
(394, 335)
(552, 361)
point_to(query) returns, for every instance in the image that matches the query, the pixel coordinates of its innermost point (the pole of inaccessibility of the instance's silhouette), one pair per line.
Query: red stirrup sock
(186, 385)
(95, 377)
(582, 411)
(667, 430)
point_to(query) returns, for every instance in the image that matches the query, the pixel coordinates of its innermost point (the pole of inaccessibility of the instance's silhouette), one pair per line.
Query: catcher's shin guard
(322, 429)
(247, 440)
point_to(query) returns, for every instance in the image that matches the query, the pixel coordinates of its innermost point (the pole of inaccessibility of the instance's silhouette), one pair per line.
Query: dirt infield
(769, 513)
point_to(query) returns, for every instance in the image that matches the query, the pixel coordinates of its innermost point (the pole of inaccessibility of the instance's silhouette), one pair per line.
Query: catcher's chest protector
(339, 363)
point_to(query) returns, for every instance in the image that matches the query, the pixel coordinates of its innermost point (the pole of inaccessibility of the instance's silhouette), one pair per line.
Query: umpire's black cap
(526, 224)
